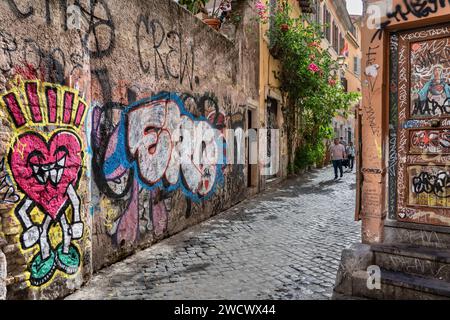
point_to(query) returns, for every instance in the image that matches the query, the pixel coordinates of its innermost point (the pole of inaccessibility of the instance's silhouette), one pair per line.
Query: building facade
(404, 191)
(342, 39)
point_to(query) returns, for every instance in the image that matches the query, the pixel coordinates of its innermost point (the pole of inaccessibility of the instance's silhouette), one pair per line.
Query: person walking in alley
(337, 156)
(350, 151)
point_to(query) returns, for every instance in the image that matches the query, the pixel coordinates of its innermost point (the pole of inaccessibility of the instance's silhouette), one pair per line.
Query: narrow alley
(282, 244)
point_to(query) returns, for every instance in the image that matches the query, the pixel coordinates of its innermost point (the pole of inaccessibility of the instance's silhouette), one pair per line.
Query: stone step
(416, 234)
(416, 260)
(401, 286)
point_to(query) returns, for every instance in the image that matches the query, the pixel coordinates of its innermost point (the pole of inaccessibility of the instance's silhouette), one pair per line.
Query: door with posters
(422, 88)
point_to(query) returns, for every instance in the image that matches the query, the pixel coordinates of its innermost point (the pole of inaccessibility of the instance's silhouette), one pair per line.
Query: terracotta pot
(276, 51)
(212, 22)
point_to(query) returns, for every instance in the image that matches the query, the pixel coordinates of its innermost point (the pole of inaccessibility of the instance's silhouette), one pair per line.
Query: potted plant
(219, 12)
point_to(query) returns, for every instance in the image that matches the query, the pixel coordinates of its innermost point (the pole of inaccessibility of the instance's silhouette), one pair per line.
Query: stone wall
(95, 97)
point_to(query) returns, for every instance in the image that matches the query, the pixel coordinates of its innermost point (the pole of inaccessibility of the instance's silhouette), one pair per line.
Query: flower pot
(276, 51)
(212, 22)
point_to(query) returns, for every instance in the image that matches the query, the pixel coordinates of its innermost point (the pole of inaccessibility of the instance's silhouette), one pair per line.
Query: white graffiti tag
(169, 145)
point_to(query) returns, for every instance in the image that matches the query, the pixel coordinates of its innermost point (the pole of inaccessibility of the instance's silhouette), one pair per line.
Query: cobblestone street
(282, 244)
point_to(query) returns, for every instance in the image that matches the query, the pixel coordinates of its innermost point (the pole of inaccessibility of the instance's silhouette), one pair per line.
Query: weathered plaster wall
(89, 132)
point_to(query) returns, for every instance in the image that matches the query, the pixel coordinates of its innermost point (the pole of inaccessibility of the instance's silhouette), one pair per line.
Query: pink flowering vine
(313, 67)
(261, 10)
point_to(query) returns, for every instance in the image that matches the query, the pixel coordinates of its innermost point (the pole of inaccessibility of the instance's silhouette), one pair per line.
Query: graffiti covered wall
(175, 75)
(98, 100)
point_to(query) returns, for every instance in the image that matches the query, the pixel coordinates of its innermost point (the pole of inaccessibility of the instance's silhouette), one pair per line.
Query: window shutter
(341, 43)
(359, 65)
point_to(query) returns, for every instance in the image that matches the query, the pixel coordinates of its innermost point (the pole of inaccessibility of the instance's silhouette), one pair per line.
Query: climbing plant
(313, 95)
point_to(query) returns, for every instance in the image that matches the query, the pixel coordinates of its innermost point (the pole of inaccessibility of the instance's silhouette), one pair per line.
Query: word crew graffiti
(168, 50)
(154, 147)
(46, 169)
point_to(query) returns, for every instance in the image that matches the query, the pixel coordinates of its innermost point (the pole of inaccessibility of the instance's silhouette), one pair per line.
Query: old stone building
(404, 189)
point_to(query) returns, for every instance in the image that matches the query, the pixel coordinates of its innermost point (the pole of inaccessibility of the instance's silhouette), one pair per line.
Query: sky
(354, 6)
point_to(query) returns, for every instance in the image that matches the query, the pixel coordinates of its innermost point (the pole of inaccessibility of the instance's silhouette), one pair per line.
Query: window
(335, 37)
(353, 31)
(272, 10)
(341, 43)
(327, 23)
(357, 65)
(318, 13)
(344, 83)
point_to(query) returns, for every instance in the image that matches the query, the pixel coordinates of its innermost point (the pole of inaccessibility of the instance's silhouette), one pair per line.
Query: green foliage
(308, 154)
(307, 77)
(194, 6)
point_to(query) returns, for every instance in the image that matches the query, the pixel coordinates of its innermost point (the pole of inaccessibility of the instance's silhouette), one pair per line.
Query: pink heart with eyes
(43, 170)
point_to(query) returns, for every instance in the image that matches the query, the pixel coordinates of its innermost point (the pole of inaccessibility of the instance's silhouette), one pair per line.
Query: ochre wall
(90, 114)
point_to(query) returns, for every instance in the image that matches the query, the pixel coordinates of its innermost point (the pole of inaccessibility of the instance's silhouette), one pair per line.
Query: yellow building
(270, 96)
(341, 29)
(342, 39)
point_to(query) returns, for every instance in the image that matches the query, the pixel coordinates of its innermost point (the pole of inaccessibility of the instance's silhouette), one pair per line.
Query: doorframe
(275, 94)
(387, 96)
(253, 174)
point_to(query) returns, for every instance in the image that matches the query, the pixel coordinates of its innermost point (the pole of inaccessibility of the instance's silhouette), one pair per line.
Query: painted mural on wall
(45, 164)
(158, 146)
(430, 78)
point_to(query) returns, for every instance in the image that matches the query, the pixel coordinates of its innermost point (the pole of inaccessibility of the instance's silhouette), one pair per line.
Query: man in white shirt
(337, 155)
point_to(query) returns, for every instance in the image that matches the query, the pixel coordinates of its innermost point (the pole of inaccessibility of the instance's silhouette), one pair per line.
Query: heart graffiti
(44, 170)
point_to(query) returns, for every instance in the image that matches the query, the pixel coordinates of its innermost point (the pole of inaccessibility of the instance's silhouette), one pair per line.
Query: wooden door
(423, 126)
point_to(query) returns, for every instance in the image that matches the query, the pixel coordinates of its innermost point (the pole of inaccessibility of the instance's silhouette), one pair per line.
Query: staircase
(407, 272)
